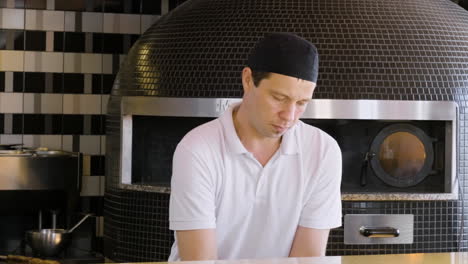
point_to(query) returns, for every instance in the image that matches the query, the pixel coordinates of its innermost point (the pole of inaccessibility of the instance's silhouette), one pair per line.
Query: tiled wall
(58, 61)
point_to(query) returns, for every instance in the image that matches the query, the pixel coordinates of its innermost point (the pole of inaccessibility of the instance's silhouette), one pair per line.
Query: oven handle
(368, 231)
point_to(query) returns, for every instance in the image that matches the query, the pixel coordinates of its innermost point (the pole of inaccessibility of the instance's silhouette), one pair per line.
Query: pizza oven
(392, 91)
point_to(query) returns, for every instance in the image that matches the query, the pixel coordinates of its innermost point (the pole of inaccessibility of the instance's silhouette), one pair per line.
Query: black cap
(286, 54)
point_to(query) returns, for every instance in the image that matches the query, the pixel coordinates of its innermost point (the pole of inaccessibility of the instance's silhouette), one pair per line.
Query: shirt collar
(289, 144)
(232, 139)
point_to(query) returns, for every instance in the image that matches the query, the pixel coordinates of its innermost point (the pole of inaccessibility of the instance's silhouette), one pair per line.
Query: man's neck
(263, 148)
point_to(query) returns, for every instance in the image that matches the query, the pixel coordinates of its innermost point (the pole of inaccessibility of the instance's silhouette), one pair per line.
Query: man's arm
(309, 242)
(197, 244)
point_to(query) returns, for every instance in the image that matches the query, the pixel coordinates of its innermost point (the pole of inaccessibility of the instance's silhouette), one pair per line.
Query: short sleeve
(192, 200)
(322, 209)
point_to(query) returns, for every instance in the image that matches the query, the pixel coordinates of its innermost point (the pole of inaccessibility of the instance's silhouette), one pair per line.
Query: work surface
(418, 258)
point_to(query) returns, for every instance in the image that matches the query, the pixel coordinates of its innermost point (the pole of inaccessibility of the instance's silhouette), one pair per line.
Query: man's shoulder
(202, 135)
(311, 135)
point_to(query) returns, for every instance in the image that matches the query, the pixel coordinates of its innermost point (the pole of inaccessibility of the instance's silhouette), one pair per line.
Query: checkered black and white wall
(58, 61)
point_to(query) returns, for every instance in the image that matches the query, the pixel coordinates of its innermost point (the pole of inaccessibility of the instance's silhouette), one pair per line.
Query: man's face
(276, 103)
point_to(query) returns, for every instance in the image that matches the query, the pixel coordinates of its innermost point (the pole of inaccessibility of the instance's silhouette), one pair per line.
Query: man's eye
(279, 98)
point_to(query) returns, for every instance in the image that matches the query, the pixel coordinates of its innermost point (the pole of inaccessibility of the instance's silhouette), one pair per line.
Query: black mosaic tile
(18, 82)
(42, 124)
(122, 6)
(3, 39)
(57, 82)
(2, 123)
(97, 42)
(97, 125)
(107, 83)
(36, 40)
(128, 41)
(96, 83)
(72, 124)
(34, 82)
(19, 3)
(17, 124)
(112, 43)
(58, 41)
(97, 165)
(74, 42)
(80, 6)
(152, 7)
(73, 83)
(175, 3)
(36, 4)
(18, 40)
(34, 124)
(2, 82)
(11, 39)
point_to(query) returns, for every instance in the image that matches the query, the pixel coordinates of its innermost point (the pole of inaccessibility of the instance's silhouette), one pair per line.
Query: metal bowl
(48, 242)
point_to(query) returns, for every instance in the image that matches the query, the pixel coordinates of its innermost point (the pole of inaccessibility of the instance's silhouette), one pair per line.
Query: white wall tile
(11, 60)
(88, 84)
(11, 102)
(92, 22)
(103, 145)
(164, 7)
(43, 61)
(70, 21)
(83, 104)
(8, 81)
(107, 63)
(67, 143)
(11, 18)
(49, 41)
(50, 4)
(91, 186)
(45, 20)
(48, 141)
(90, 145)
(11, 139)
(147, 21)
(86, 165)
(122, 23)
(100, 226)
(103, 185)
(32, 103)
(43, 103)
(105, 101)
(10, 3)
(83, 63)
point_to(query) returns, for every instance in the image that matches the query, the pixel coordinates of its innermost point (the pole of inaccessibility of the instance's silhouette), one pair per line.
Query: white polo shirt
(217, 183)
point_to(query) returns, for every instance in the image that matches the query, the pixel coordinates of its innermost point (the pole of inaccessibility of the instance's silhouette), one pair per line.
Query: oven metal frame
(316, 109)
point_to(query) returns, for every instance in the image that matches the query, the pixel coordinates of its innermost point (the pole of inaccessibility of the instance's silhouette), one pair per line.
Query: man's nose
(288, 112)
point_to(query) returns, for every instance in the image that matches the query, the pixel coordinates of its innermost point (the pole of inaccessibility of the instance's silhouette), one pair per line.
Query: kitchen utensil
(79, 223)
(26, 260)
(50, 242)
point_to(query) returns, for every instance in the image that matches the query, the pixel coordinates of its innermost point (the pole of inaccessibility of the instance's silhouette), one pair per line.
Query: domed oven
(391, 76)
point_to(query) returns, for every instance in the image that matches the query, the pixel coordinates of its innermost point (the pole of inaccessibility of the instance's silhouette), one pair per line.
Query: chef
(257, 182)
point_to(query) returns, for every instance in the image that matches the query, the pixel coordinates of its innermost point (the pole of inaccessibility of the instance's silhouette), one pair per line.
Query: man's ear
(247, 81)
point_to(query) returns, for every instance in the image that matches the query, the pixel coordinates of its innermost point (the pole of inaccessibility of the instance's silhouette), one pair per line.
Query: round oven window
(402, 155)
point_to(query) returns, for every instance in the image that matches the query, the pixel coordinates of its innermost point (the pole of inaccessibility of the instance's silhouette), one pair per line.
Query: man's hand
(197, 244)
(309, 242)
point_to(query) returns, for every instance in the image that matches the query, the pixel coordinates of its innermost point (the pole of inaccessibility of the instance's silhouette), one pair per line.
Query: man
(256, 182)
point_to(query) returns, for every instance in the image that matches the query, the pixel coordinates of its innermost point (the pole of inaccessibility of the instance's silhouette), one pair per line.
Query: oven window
(402, 155)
